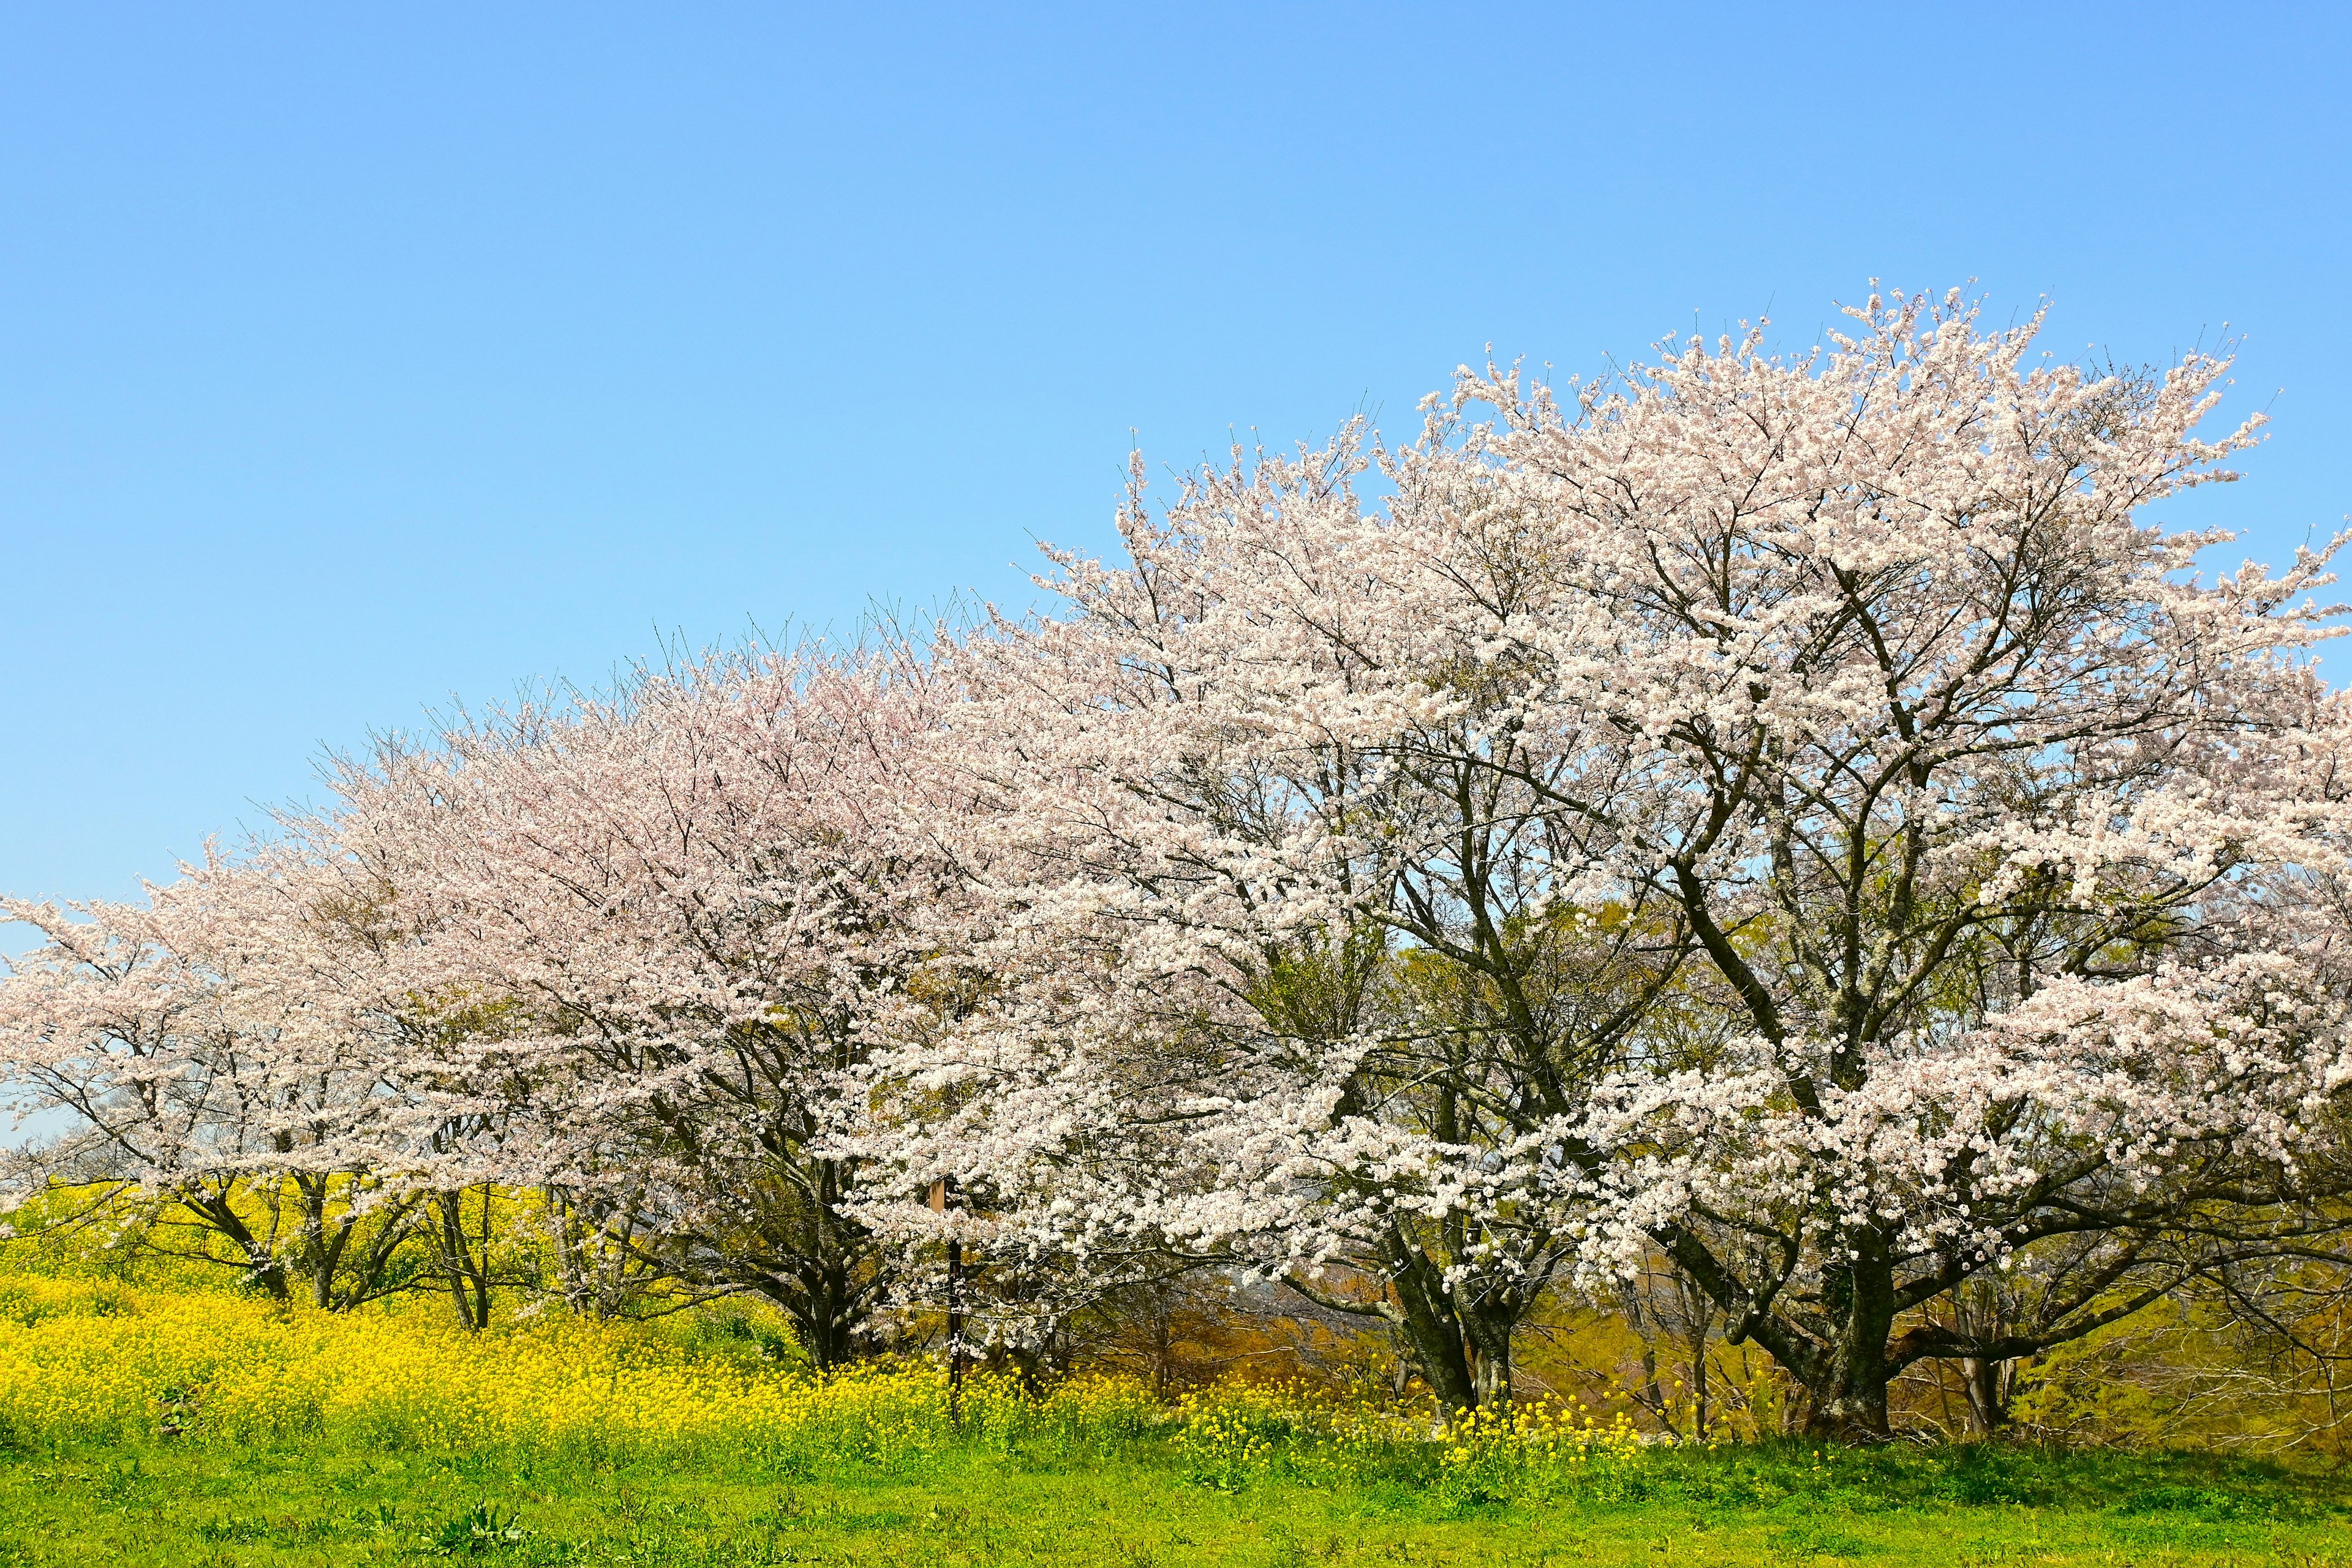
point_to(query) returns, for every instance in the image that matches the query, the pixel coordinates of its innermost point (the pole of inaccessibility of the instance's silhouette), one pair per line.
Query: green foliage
(1046, 1499)
(478, 1531)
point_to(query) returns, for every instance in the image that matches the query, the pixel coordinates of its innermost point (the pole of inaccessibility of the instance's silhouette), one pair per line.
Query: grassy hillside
(153, 1426)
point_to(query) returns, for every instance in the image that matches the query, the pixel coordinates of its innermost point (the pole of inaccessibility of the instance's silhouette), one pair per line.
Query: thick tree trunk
(1490, 1374)
(821, 1271)
(1425, 1318)
(323, 1242)
(828, 1310)
(1461, 1352)
(1853, 1407)
(1488, 1335)
(1444, 1361)
(1986, 1385)
(1848, 1394)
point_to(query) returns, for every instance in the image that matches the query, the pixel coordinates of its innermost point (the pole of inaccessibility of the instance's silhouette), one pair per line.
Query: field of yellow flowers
(143, 1425)
(88, 1362)
(85, 1362)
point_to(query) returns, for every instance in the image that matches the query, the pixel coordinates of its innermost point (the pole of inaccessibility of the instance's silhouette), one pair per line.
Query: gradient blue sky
(353, 358)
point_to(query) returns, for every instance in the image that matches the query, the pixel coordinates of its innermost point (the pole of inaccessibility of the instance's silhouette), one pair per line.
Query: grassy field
(163, 1427)
(193, 1505)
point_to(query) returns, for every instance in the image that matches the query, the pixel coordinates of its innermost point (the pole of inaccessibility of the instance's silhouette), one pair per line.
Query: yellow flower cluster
(1537, 1449)
(1230, 1434)
(82, 1361)
(85, 1360)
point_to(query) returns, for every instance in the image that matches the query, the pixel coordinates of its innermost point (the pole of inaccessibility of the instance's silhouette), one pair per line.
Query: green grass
(1969, 1508)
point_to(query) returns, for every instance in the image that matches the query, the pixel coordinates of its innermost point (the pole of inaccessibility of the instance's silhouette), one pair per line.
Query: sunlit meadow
(150, 1424)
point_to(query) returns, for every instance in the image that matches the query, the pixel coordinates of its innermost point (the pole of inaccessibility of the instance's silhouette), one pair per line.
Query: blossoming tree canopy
(224, 1039)
(675, 920)
(1803, 816)
(1801, 822)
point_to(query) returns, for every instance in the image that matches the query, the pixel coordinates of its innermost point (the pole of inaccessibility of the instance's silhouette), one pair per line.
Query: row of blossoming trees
(1803, 823)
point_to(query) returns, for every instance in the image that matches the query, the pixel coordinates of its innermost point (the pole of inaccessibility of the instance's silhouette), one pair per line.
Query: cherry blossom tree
(217, 1063)
(1802, 817)
(1799, 822)
(664, 928)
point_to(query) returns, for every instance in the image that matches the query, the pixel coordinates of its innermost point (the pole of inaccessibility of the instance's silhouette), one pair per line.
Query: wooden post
(939, 1198)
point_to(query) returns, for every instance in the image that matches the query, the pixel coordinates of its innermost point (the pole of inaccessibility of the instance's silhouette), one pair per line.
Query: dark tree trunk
(1488, 1338)
(1425, 1318)
(828, 1308)
(1163, 1343)
(1851, 1409)
(262, 1268)
(1988, 1385)
(468, 1274)
(1699, 1413)
(1848, 1392)
(322, 1244)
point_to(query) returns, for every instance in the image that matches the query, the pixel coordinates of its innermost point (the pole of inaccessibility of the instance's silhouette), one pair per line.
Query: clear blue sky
(353, 358)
